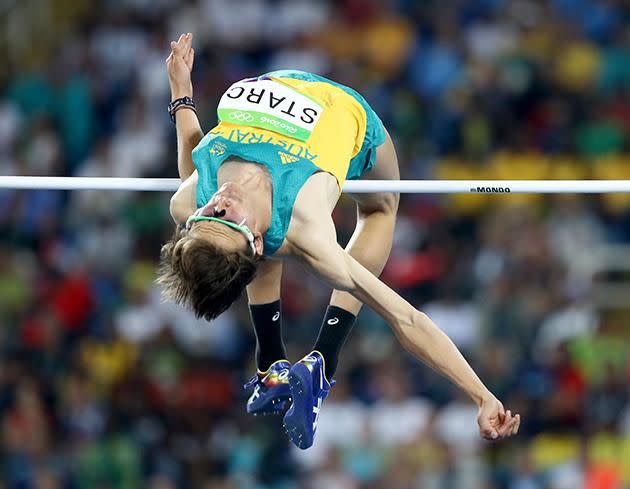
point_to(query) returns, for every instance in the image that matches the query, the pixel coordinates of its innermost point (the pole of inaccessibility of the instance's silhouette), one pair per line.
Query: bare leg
(371, 242)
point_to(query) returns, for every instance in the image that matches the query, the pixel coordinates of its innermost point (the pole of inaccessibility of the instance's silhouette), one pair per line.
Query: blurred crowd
(104, 386)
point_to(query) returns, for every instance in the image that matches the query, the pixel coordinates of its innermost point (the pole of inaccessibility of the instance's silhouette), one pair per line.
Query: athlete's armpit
(183, 202)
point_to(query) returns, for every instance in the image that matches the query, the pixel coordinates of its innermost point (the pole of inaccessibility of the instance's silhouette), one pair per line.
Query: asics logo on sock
(283, 374)
(310, 358)
(333, 321)
(276, 316)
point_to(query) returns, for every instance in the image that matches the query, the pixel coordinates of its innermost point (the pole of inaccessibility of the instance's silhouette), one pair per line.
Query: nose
(224, 201)
(221, 206)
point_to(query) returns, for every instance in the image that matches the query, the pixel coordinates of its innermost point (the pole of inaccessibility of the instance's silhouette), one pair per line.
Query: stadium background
(104, 387)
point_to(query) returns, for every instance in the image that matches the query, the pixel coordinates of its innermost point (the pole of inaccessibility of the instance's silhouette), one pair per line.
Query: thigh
(385, 168)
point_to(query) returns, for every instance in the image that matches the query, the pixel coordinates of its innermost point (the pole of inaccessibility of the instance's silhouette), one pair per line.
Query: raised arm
(414, 329)
(179, 66)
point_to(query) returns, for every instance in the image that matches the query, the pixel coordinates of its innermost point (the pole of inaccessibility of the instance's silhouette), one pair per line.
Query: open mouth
(210, 210)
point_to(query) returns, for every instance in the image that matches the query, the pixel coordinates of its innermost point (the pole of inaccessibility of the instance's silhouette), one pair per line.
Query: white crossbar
(357, 186)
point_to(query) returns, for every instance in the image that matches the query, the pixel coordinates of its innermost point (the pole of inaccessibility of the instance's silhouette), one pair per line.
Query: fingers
(501, 412)
(511, 429)
(176, 46)
(506, 424)
(511, 426)
(508, 427)
(182, 45)
(182, 48)
(489, 434)
(190, 58)
(487, 430)
(517, 424)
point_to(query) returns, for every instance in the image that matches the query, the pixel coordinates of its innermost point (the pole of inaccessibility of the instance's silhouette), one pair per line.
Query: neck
(255, 181)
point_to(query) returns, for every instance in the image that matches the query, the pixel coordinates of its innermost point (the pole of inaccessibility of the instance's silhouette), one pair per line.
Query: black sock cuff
(267, 319)
(266, 311)
(337, 312)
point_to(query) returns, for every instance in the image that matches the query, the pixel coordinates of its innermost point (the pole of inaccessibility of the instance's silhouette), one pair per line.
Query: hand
(494, 422)
(179, 66)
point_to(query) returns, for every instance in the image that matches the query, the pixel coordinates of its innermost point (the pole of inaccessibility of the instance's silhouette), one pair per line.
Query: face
(227, 204)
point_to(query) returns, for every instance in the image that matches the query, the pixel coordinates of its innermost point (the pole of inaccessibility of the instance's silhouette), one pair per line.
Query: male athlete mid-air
(260, 187)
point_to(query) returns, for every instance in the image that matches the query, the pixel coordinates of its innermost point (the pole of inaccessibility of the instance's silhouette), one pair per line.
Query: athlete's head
(208, 263)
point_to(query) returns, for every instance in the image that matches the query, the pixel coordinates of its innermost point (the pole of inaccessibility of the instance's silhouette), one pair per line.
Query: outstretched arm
(179, 66)
(414, 329)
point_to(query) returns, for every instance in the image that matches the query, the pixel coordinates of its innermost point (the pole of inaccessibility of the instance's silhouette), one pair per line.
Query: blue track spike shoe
(271, 389)
(309, 388)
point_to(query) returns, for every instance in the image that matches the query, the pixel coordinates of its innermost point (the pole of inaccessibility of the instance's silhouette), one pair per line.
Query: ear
(258, 243)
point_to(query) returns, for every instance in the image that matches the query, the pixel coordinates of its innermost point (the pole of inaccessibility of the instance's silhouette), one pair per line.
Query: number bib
(270, 105)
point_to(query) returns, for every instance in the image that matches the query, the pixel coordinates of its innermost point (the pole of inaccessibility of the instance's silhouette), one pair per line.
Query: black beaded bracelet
(178, 103)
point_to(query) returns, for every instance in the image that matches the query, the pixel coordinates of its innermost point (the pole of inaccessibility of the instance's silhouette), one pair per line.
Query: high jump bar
(354, 186)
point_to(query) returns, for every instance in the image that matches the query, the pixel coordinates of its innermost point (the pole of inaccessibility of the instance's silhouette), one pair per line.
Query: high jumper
(259, 188)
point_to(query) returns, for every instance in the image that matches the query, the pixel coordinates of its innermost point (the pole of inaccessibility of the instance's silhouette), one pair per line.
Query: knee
(391, 202)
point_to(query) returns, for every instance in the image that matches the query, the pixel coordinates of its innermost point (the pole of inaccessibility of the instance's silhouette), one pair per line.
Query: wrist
(180, 103)
(177, 95)
(177, 92)
(482, 397)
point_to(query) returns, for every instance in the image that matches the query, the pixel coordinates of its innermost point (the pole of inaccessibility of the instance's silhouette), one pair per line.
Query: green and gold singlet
(296, 124)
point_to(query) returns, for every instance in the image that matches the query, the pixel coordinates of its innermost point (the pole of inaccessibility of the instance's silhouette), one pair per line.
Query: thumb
(501, 412)
(486, 429)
